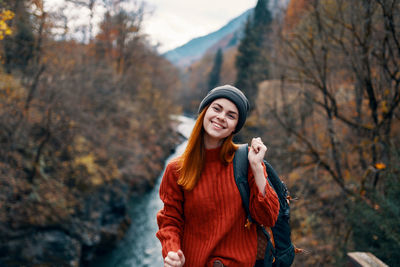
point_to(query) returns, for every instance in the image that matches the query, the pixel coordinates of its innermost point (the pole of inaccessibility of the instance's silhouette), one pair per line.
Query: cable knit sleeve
(263, 209)
(170, 219)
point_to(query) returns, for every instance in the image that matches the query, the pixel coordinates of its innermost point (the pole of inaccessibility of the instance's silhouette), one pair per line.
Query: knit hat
(233, 94)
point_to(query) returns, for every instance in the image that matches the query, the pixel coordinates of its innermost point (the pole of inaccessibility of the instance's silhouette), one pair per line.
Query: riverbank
(140, 247)
(81, 223)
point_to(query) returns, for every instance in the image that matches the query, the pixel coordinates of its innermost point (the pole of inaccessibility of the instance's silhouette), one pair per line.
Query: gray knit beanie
(233, 94)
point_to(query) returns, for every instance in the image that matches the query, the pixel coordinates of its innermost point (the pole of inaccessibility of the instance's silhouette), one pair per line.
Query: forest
(76, 122)
(81, 121)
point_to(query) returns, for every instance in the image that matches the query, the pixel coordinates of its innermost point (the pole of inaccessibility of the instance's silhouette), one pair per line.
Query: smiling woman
(202, 220)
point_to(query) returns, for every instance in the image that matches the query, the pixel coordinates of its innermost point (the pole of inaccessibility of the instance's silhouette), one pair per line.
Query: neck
(210, 143)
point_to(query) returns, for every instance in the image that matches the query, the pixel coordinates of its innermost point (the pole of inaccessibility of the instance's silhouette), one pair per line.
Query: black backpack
(283, 253)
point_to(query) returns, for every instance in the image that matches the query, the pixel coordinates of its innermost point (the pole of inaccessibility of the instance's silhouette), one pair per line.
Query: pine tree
(251, 63)
(262, 15)
(214, 76)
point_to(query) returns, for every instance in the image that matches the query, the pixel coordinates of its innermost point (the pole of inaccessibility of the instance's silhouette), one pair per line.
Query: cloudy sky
(175, 22)
(169, 23)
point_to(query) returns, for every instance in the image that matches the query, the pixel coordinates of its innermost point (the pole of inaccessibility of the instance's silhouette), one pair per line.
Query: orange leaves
(380, 166)
(295, 11)
(12, 95)
(386, 92)
(38, 4)
(294, 176)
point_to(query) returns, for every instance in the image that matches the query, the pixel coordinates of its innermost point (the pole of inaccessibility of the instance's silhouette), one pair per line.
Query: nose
(221, 116)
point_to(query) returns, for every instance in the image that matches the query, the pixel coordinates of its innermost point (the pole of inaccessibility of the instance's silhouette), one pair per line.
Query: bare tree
(346, 56)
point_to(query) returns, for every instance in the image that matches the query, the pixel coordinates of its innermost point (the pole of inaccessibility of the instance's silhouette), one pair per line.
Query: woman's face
(219, 121)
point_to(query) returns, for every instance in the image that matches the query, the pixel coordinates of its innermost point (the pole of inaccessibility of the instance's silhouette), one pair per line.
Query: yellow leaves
(87, 161)
(4, 28)
(384, 107)
(7, 15)
(81, 144)
(92, 166)
(92, 169)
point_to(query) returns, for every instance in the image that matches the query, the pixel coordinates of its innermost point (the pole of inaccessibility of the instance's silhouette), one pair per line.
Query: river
(140, 247)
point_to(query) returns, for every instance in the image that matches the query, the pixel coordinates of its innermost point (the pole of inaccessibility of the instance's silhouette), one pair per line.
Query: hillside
(193, 50)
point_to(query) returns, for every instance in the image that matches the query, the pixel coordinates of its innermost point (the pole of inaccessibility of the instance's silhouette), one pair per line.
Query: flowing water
(140, 247)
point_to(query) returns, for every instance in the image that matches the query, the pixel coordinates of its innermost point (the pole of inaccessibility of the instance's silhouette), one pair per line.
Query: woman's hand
(256, 156)
(174, 259)
(257, 152)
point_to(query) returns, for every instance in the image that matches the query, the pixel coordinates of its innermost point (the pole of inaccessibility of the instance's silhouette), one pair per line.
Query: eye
(232, 116)
(216, 108)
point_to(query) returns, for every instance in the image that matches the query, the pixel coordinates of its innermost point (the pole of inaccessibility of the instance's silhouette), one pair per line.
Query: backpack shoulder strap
(240, 170)
(277, 185)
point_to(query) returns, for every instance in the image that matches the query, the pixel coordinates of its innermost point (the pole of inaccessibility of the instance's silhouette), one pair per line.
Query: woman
(203, 219)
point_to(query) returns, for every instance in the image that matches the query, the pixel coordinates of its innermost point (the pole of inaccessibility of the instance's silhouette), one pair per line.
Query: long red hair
(191, 162)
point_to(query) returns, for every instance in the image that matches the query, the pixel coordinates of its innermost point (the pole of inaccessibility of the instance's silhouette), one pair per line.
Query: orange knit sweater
(207, 223)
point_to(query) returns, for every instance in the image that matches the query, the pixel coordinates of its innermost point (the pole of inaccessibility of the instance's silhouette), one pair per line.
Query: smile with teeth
(217, 125)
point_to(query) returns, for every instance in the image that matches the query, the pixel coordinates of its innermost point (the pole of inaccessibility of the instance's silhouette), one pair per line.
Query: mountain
(193, 50)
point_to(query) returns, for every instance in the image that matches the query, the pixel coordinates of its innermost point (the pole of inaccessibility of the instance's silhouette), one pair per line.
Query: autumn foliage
(331, 118)
(80, 127)
(5, 16)
(84, 122)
